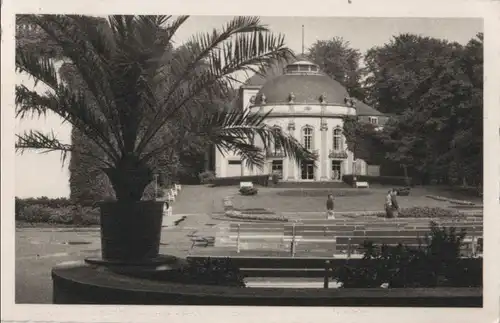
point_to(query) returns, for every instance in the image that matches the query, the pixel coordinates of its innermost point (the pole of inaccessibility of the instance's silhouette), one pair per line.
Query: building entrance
(336, 170)
(307, 170)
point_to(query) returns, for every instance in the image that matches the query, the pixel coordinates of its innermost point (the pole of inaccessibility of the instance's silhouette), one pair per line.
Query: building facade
(311, 107)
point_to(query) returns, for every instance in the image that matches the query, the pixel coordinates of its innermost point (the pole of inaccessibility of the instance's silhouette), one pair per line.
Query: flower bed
(257, 217)
(446, 199)
(248, 191)
(424, 212)
(255, 211)
(323, 192)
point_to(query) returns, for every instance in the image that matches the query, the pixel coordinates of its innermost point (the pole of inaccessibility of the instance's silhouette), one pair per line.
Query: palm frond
(238, 131)
(39, 68)
(44, 142)
(252, 49)
(72, 107)
(88, 57)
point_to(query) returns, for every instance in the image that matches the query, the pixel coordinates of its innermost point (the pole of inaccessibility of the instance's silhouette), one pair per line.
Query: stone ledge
(96, 285)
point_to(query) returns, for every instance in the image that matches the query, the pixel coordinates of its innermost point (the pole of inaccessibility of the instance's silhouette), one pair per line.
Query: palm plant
(134, 87)
(138, 85)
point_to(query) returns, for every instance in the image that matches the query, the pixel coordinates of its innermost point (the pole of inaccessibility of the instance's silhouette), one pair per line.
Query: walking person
(330, 214)
(391, 204)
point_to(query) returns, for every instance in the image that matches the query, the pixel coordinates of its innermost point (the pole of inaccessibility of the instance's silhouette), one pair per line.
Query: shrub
(89, 216)
(71, 214)
(436, 263)
(384, 180)
(206, 177)
(51, 202)
(149, 192)
(275, 178)
(248, 191)
(424, 212)
(262, 180)
(208, 271)
(36, 213)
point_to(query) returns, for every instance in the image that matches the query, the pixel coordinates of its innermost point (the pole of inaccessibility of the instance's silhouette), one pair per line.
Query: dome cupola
(302, 83)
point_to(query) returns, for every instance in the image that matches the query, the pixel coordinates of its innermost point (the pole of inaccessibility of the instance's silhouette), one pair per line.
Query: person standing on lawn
(330, 214)
(391, 204)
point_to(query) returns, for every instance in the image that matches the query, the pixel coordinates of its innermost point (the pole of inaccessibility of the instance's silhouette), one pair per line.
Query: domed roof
(305, 83)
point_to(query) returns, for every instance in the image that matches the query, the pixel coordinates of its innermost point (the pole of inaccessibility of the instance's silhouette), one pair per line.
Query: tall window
(307, 138)
(337, 139)
(277, 144)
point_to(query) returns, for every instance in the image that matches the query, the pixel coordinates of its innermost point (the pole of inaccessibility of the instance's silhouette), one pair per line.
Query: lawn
(346, 199)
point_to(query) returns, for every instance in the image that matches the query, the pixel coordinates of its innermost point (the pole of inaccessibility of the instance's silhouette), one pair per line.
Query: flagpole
(302, 40)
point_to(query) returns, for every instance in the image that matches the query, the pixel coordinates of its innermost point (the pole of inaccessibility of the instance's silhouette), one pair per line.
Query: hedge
(385, 180)
(70, 214)
(65, 211)
(262, 180)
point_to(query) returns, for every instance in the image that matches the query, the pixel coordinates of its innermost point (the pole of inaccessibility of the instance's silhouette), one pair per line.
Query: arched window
(337, 139)
(307, 137)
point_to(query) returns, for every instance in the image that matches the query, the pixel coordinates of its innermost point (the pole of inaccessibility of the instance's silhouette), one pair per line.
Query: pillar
(291, 161)
(324, 151)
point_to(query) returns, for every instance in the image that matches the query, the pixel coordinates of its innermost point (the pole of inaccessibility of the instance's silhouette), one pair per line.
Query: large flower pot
(131, 231)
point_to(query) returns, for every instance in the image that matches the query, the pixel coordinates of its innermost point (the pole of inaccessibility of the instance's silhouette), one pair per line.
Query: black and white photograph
(251, 161)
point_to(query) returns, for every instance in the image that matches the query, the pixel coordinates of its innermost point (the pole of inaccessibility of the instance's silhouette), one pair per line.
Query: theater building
(311, 107)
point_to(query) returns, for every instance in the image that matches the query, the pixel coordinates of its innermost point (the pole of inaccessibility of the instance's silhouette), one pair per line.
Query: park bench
(258, 266)
(361, 185)
(202, 241)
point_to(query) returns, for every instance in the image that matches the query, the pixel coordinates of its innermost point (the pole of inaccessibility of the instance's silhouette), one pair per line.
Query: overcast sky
(38, 175)
(363, 33)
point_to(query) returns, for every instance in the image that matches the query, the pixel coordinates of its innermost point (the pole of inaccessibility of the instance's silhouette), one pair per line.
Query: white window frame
(310, 136)
(337, 136)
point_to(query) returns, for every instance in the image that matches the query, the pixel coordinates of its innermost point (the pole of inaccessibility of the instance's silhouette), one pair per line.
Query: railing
(275, 154)
(337, 154)
(343, 240)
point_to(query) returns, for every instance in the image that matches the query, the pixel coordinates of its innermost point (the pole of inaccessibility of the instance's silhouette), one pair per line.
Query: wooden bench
(255, 266)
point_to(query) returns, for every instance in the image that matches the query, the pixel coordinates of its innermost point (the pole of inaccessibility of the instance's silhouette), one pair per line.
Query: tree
(364, 140)
(437, 132)
(396, 69)
(341, 62)
(138, 88)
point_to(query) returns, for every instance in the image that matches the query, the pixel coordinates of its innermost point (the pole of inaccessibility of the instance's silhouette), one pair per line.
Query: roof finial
(302, 40)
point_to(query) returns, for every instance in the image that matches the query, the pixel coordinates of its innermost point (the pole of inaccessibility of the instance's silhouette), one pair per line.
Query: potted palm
(134, 86)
